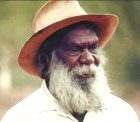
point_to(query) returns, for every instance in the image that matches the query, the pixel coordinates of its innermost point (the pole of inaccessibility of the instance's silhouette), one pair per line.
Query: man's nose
(88, 58)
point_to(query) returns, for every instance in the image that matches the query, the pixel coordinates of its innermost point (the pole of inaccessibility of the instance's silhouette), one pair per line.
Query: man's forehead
(82, 39)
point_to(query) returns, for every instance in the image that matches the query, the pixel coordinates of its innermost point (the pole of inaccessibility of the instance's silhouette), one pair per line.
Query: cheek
(72, 61)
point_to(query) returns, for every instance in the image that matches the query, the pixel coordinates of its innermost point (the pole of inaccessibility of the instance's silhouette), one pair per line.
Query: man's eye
(72, 51)
(93, 48)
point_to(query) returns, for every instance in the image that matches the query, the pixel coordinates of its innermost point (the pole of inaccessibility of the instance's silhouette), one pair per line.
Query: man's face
(79, 47)
(77, 80)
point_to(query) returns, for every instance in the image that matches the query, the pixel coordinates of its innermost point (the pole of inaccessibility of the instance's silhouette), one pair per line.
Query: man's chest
(89, 117)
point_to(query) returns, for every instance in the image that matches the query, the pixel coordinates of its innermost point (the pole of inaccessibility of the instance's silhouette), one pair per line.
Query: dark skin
(79, 47)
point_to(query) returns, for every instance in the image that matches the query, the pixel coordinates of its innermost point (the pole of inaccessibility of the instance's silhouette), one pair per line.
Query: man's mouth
(85, 76)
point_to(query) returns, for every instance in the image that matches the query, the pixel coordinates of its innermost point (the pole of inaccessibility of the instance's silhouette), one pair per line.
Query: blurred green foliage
(123, 50)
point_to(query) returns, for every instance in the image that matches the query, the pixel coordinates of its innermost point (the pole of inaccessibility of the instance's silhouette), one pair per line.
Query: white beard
(73, 96)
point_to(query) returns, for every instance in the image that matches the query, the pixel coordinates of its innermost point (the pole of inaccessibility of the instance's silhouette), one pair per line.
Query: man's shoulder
(34, 103)
(117, 102)
(121, 109)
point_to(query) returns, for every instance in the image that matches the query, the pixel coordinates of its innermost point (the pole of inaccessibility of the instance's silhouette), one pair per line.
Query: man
(66, 51)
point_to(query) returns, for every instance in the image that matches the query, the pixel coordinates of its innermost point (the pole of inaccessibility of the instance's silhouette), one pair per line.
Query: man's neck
(79, 117)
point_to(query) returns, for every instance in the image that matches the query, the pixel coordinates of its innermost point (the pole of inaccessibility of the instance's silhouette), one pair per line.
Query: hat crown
(54, 11)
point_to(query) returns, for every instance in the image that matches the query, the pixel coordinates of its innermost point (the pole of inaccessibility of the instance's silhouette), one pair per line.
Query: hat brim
(106, 25)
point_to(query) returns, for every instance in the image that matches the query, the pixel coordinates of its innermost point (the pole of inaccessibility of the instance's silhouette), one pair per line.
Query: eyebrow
(79, 45)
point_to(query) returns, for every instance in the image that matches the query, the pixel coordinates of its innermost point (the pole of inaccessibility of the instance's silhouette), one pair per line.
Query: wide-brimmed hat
(55, 15)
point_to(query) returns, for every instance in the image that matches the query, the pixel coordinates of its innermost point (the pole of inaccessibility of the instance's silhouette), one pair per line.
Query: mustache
(85, 69)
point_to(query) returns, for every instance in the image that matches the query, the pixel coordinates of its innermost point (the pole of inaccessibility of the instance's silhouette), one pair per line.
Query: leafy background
(123, 52)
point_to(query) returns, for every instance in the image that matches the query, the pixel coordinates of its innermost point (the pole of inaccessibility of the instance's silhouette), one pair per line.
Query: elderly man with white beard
(81, 84)
(68, 55)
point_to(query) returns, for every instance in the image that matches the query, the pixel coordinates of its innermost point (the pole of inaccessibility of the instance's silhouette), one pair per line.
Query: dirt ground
(10, 98)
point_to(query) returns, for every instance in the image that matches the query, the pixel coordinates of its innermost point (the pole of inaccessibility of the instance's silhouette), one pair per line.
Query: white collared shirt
(41, 106)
